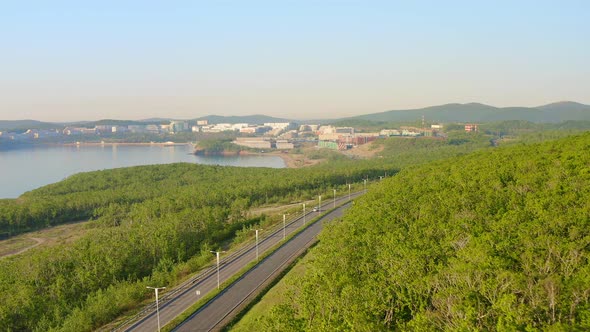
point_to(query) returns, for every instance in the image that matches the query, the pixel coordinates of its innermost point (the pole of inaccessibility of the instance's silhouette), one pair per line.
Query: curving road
(181, 298)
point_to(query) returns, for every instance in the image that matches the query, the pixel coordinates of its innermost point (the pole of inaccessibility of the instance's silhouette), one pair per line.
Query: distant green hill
(475, 112)
(22, 125)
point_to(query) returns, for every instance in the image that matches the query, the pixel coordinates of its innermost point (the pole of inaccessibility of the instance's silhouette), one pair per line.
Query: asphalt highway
(180, 299)
(216, 311)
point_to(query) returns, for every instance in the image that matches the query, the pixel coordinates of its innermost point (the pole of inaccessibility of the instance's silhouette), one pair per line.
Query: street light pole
(257, 243)
(284, 232)
(349, 191)
(304, 217)
(156, 289)
(217, 255)
(320, 205)
(334, 198)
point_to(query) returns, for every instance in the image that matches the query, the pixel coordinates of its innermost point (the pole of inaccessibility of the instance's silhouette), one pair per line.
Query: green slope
(23, 125)
(496, 240)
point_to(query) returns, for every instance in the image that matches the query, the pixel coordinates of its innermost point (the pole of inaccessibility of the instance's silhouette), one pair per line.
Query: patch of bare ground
(46, 237)
(298, 160)
(365, 151)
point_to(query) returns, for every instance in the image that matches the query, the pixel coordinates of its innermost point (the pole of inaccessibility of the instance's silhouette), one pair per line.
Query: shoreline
(287, 158)
(122, 144)
(291, 161)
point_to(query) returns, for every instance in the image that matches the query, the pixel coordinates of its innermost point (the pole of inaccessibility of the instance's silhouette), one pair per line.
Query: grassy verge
(248, 319)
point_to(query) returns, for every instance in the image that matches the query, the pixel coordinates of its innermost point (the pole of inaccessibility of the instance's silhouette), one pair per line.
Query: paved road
(218, 309)
(186, 295)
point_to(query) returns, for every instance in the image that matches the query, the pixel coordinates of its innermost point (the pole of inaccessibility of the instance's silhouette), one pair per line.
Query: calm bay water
(28, 168)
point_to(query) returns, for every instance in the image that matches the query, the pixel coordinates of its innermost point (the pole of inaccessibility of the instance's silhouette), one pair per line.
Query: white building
(238, 126)
(119, 129)
(253, 142)
(284, 145)
(326, 130)
(390, 132)
(278, 125)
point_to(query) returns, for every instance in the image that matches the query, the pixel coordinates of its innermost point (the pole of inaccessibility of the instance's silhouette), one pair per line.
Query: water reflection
(29, 168)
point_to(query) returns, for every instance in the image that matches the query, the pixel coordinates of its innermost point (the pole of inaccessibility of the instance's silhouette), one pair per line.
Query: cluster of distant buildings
(344, 138)
(269, 129)
(279, 135)
(327, 136)
(33, 134)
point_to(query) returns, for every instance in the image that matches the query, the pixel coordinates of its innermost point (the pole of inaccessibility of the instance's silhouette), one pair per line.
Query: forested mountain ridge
(495, 240)
(476, 112)
(26, 124)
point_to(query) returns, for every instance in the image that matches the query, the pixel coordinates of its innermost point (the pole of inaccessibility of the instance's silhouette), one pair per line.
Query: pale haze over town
(76, 60)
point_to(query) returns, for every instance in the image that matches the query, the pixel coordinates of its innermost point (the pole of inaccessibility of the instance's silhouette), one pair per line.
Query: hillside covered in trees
(150, 225)
(495, 240)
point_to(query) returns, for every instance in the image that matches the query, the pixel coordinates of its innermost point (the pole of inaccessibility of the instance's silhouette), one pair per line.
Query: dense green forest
(151, 225)
(494, 240)
(217, 146)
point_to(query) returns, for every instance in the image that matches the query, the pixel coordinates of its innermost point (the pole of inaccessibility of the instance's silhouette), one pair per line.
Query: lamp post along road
(349, 191)
(217, 254)
(257, 243)
(156, 289)
(320, 205)
(284, 233)
(334, 198)
(304, 214)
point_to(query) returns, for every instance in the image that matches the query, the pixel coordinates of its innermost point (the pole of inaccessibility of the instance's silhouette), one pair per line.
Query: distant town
(273, 135)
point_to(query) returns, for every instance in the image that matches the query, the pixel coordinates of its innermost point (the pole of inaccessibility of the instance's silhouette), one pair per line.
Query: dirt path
(38, 241)
(364, 151)
(19, 244)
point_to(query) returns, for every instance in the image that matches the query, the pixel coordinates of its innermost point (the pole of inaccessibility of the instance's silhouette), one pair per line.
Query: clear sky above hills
(71, 60)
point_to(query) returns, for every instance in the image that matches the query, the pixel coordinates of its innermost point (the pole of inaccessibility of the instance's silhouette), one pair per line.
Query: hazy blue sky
(71, 60)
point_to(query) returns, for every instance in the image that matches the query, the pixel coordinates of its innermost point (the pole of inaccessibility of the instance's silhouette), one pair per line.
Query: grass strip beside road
(267, 296)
